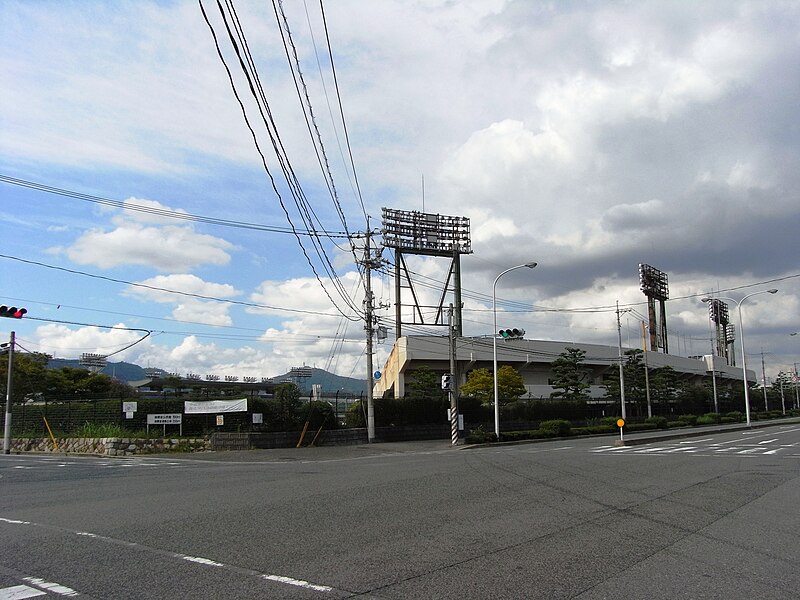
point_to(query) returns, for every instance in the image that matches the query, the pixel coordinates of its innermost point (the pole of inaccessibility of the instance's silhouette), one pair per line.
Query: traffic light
(447, 381)
(511, 334)
(12, 312)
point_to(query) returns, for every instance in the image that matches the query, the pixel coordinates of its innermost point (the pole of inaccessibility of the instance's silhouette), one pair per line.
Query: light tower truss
(426, 234)
(654, 285)
(719, 316)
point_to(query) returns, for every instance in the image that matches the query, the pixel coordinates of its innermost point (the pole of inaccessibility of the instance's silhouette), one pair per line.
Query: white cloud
(188, 309)
(168, 248)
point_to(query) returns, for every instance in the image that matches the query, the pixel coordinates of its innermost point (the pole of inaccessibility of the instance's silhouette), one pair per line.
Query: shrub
(688, 419)
(675, 424)
(659, 422)
(480, 436)
(555, 427)
(601, 428)
(736, 415)
(641, 426)
(727, 420)
(712, 417)
(706, 420)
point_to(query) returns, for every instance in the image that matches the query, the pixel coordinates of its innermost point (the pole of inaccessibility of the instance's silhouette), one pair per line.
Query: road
(705, 517)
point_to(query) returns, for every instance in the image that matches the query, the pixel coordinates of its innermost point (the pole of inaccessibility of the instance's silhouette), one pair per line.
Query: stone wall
(111, 446)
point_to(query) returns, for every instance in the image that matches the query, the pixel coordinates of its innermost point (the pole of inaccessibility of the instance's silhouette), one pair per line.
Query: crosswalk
(708, 447)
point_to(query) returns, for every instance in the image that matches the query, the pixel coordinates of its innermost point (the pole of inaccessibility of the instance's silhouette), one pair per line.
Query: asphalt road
(704, 517)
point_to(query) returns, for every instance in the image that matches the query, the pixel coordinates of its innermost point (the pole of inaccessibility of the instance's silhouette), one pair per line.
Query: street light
(741, 338)
(529, 265)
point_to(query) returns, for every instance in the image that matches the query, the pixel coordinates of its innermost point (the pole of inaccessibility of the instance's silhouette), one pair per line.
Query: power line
(161, 289)
(161, 212)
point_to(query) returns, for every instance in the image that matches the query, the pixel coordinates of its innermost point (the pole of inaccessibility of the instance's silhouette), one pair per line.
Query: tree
(480, 384)
(285, 405)
(570, 379)
(423, 383)
(29, 374)
(633, 373)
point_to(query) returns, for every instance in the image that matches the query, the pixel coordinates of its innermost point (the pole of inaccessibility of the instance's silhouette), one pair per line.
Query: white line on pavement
(19, 592)
(56, 588)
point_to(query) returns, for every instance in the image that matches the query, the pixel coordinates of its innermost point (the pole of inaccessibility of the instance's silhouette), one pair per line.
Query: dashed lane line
(202, 561)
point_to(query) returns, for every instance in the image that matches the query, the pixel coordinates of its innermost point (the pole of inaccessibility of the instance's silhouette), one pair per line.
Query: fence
(67, 415)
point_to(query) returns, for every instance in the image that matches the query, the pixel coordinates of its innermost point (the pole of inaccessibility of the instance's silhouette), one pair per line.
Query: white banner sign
(214, 406)
(165, 419)
(128, 407)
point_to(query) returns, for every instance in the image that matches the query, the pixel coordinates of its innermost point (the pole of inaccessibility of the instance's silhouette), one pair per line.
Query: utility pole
(796, 395)
(7, 430)
(453, 391)
(369, 305)
(646, 371)
(621, 374)
(764, 382)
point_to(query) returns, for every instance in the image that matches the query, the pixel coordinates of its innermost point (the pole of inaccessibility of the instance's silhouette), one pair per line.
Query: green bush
(556, 427)
(712, 417)
(659, 422)
(706, 420)
(688, 419)
(530, 434)
(641, 426)
(736, 415)
(728, 420)
(675, 424)
(480, 436)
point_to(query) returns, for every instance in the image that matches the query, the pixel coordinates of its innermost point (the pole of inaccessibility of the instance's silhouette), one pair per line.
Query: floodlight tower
(718, 314)
(417, 233)
(653, 284)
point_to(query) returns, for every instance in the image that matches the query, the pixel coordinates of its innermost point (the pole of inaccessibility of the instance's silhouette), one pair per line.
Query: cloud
(60, 340)
(188, 309)
(150, 239)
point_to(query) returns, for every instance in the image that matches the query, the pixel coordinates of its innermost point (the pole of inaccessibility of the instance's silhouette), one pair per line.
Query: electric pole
(369, 263)
(621, 374)
(7, 429)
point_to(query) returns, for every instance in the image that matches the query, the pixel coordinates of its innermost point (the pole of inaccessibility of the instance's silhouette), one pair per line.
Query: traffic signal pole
(7, 429)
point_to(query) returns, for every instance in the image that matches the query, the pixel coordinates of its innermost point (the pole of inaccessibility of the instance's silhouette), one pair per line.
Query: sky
(158, 201)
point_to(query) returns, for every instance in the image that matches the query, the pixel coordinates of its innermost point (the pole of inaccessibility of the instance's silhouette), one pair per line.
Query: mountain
(330, 382)
(123, 371)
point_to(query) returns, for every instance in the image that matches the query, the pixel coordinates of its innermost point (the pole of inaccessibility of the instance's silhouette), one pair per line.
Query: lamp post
(741, 337)
(529, 265)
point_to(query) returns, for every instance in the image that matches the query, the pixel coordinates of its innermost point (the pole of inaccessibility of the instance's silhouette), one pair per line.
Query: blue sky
(587, 136)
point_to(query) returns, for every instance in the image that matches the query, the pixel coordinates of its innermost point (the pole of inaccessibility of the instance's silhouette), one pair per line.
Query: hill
(330, 382)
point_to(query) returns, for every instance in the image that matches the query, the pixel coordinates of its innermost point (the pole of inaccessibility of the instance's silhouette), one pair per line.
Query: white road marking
(19, 592)
(203, 561)
(298, 583)
(65, 591)
(768, 441)
(14, 521)
(56, 588)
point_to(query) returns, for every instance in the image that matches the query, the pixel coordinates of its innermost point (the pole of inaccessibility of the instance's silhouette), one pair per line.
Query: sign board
(129, 407)
(165, 419)
(220, 420)
(258, 418)
(191, 407)
(376, 375)
(129, 415)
